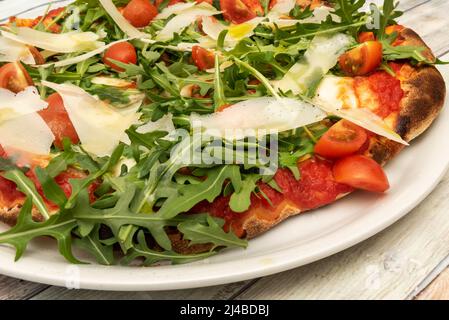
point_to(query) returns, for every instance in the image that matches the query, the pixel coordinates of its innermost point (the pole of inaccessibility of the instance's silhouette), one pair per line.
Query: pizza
(169, 130)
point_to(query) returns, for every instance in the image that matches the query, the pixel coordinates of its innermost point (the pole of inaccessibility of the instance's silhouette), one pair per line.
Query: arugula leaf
(148, 140)
(78, 185)
(219, 96)
(130, 69)
(391, 53)
(348, 10)
(120, 215)
(91, 243)
(241, 200)
(52, 190)
(152, 256)
(7, 164)
(212, 233)
(387, 17)
(59, 227)
(25, 185)
(189, 195)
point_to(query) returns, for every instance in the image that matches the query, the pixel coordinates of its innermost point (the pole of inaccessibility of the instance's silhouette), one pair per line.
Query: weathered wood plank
(429, 20)
(438, 289)
(216, 292)
(18, 289)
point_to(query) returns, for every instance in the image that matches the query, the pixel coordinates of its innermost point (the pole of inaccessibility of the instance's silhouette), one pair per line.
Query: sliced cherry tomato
(140, 13)
(239, 11)
(203, 58)
(361, 172)
(38, 57)
(366, 36)
(342, 139)
(363, 59)
(123, 52)
(57, 119)
(14, 77)
(394, 28)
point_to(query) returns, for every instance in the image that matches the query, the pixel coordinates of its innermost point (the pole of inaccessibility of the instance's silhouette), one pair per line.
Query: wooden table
(409, 260)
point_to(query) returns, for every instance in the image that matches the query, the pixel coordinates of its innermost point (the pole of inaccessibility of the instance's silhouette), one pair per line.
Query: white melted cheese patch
(336, 95)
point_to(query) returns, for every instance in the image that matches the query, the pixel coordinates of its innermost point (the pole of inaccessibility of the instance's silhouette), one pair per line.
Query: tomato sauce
(387, 89)
(314, 189)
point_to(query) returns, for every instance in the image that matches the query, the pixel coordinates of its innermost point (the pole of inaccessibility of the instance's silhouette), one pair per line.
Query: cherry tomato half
(363, 59)
(342, 139)
(394, 28)
(140, 13)
(366, 36)
(14, 77)
(57, 119)
(361, 172)
(123, 52)
(239, 11)
(38, 57)
(203, 58)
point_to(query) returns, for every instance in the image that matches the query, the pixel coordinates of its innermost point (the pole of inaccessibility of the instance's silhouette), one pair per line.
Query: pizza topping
(27, 133)
(203, 58)
(348, 99)
(361, 172)
(64, 42)
(320, 57)
(140, 13)
(342, 139)
(386, 90)
(123, 52)
(120, 20)
(363, 59)
(183, 19)
(240, 11)
(57, 119)
(12, 51)
(14, 77)
(247, 117)
(99, 126)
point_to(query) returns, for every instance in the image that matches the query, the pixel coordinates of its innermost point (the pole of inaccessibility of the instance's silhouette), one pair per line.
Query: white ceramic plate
(298, 241)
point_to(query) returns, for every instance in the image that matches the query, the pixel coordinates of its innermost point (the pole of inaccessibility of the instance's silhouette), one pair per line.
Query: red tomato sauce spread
(387, 89)
(10, 196)
(314, 189)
